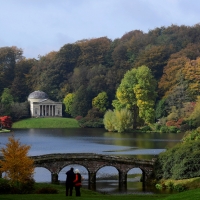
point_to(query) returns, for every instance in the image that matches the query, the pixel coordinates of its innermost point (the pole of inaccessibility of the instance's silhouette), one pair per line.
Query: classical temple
(42, 106)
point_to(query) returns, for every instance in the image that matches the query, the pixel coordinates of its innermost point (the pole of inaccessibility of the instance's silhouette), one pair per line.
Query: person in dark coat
(77, 182)
(69, 181)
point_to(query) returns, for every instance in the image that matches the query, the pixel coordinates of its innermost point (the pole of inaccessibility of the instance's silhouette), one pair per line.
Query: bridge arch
(42, 174)
(92, 162)
(83, 170)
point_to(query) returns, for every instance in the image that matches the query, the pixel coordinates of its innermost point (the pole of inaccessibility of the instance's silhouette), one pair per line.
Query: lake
(77, 140)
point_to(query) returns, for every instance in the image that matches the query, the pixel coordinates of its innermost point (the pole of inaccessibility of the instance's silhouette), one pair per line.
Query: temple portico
(40, 105)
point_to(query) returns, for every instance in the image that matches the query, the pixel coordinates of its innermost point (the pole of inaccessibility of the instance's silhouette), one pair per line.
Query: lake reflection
(46, 141)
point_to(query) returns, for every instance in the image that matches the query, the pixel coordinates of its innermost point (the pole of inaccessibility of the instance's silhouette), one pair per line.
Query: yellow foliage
(18, 167)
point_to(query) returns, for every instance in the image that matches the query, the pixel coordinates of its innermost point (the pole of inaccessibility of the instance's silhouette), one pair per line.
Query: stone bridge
(93, 162)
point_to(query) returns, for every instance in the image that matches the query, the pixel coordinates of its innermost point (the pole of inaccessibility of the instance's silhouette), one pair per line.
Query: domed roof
(38, 95)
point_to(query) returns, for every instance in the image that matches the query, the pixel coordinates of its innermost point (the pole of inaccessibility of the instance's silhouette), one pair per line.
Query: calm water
(140, 145)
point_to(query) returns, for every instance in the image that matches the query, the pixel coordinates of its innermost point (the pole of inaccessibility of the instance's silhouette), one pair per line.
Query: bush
(164, 129)
(157, 127)
(5, 187)
(78, 118)
(47, 190)
(173, 129)
(146, 128)
(91, 123)
(28, 187)
(179, 188)
(180, 162)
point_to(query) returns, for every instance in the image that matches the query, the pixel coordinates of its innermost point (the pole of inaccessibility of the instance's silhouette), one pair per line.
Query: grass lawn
(88, 194)
(57, 122)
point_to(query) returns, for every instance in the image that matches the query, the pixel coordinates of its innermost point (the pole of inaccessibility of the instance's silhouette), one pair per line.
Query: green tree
(19, 87)
(82, 102)
(118, 120)
(68, 100)
(7, 100)
(145, 92)
(195, 115)
(123, 120)
(100, 102)
(137, 93)
(20, 110)
(8, 58)
(109, 120)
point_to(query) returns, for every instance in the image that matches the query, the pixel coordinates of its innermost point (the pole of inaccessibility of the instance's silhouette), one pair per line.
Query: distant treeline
(88, 67)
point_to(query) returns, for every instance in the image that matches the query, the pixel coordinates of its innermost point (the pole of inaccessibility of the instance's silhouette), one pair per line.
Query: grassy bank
(87, 194)
(57, 122)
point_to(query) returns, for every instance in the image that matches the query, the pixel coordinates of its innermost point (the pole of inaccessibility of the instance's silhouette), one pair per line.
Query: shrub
(27, 187)
(109, 120)
(88, 123)
(180, 162)
(5, 187)
(157, 127)
(47, 190)
(172, 129)
(78, 118)
(8, 187)
(164, 129)
(179, 188)
(146, 128)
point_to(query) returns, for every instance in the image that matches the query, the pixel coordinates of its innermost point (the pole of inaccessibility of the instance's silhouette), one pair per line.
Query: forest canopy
(90, 67)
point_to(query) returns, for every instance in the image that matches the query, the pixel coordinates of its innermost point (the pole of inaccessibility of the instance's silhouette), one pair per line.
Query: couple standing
(73, 179)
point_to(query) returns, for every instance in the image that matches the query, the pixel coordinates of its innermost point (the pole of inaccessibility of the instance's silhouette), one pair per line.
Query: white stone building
(42, 106)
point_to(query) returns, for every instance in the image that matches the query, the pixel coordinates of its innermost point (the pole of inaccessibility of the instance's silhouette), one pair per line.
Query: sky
(41, 26)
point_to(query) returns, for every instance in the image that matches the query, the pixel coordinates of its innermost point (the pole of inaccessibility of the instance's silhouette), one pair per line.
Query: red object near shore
(5, 122)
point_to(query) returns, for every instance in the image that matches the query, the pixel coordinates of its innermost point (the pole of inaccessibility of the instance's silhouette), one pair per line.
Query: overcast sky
(42, 26)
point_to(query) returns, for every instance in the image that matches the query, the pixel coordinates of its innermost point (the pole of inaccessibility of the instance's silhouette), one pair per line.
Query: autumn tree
(5, 122)
(18, 167)
(195, 115)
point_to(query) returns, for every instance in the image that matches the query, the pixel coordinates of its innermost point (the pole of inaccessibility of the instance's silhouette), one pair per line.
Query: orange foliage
(18, 167)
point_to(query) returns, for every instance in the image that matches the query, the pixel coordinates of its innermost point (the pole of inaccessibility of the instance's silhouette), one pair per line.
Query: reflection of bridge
(93, 162)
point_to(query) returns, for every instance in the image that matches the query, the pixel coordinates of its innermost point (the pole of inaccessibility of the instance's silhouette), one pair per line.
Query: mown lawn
(85, 195)
(58, 122)
(88, 194)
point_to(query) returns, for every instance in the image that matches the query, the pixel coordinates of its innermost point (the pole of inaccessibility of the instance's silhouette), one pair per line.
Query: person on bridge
(77, 182)
(69, 181)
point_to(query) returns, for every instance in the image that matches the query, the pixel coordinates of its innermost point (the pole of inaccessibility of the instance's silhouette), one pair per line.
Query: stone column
(39, 110)
(144, 178)
(54, 178)
(122, 181)
(92, 181)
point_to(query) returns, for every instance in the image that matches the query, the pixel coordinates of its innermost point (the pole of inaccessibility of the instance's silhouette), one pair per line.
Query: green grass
(57, 122)
(90, 195)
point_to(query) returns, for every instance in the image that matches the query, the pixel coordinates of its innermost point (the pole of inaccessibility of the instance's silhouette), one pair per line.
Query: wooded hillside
(88, 67)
